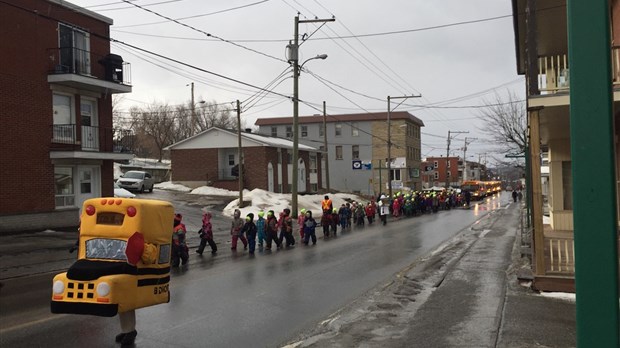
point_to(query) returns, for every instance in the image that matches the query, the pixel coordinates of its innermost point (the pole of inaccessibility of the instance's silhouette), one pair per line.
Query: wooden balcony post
(536, 191)
(594, 203)
(531, 50)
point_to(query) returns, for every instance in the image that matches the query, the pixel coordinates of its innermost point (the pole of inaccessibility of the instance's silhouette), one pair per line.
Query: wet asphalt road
(234, 300)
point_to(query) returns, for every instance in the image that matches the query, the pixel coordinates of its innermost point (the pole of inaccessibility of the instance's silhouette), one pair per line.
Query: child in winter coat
(309, 228)
(271, 230)
(260, 228)
(349, 213)
(326, 223)
(300, 222)
(286, 228)
(342, 217)
(370, 212)
(334, 221)
(360, 214)
(235, 231)
(206, 234)
(249, 229)
(179, 247)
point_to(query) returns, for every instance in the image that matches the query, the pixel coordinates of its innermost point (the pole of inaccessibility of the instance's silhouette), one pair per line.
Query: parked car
(121, 192)
(508, 188)
(135, 180)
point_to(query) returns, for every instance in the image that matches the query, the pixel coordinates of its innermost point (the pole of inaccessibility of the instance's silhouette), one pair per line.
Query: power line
(193, 16)
(127, 7)
(205, 33)
(186, 74)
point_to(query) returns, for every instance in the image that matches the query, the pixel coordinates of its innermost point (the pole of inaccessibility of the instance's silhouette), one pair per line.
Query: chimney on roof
(248, 130)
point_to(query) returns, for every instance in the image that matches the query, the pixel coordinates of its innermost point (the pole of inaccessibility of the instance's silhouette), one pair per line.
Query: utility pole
(325, 146)
(240, 154)
(294, 49)
(193, 111)
(465, 157)
(389, 137)
(448, 155)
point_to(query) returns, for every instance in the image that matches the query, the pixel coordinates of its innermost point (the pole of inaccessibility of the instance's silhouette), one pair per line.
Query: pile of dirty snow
(214, 191)
(265, 200)
(168, 185)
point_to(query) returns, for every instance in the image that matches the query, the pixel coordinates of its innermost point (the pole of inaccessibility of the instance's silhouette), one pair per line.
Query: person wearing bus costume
(137, 250)
(123, 262)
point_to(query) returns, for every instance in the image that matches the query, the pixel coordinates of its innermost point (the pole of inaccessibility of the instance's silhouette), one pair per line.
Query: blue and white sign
(357, 164)
(367, 166)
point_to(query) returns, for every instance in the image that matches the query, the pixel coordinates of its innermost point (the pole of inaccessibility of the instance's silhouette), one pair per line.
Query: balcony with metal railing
(91, 142)
(73, 67)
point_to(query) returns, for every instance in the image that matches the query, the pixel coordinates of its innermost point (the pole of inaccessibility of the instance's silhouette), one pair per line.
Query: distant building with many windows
(357, 148)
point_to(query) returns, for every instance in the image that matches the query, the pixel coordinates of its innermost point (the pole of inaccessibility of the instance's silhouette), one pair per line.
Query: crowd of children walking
(270, 230)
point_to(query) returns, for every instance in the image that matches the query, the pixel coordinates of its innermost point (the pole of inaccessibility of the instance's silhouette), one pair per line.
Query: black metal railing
(72, 60)
(92, 138)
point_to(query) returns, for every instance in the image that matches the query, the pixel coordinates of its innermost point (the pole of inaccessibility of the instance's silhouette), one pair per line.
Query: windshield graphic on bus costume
(101, 248)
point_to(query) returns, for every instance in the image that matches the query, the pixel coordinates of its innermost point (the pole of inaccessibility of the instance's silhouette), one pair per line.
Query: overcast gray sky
(442, 62)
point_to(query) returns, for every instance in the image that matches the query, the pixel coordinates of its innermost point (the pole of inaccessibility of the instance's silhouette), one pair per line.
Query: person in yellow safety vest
(326, 205)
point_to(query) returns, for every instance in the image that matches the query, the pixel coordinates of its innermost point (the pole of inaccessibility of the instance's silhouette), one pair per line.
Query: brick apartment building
(212, 158)
(357, 148)
(57, 79)
(433, 171)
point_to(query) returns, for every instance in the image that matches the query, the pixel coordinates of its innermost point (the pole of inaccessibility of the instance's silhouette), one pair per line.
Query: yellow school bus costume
(123, 259)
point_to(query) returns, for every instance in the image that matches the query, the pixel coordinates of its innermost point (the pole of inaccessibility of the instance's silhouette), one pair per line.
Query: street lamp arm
(319, 56)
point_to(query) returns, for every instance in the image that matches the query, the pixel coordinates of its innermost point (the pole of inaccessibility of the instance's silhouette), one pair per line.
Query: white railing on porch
(561, 255)
(553, 72)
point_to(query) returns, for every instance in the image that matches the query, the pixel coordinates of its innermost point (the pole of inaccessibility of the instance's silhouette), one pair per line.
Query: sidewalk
(465, 294)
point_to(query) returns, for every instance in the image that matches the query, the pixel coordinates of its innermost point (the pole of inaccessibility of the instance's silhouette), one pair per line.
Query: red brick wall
(441, 169)
(26, 113)
(194, 165)
(255, 160)
(202, 165)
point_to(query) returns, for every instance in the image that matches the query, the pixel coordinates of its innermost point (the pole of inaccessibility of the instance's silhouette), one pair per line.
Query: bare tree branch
(505, 122)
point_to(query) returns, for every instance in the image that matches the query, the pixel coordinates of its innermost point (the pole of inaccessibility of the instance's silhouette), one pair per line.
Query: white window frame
(312, 167)
(67, 199)
(304, 131)
(339, 150)
(274, 131)
(338, 129)
(355, 132)
(289, 131)
(353, 151)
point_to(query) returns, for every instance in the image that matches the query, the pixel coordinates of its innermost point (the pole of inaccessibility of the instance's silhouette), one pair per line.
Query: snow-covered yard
(263, 200)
